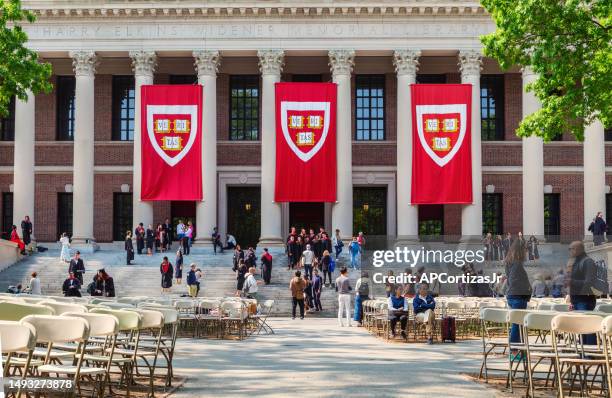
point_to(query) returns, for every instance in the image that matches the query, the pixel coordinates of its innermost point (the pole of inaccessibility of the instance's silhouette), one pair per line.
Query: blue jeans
(585, 303)
(516, 303)
(308, 270)
(355, 260)
(338, 250)
(358, 314)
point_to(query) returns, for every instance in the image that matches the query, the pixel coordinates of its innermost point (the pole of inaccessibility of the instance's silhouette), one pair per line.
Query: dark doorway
(7, 214)
(552, 216)
(122, 214)
(244, 215)
(370, 215)
(184, 211)
(64, 214)
(431, 222)
(307, 215)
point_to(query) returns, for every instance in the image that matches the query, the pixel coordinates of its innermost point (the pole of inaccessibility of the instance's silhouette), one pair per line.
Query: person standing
(292, 252)
(26, 230)
(326, 267)
(178, 263)
(518, 291)
(199, 276)
(317, 285)
(77, 267)
(65, 253)
(250, 287)
(362, 288)
(354, 249)
(307, 259)
(169, 233)
(216, 240)
(598, 227)
(187, 238)
(150, 239)
(297, 286)
(343, 287)
(180, 231)
(35, 285)
(506, 242)
(533, 248)
(166, 271)
(140, 238)
(129, 247)
(266, 266)
(241, 271)
(104, 284)
(337, 242)
(192, 281)
(71, 286)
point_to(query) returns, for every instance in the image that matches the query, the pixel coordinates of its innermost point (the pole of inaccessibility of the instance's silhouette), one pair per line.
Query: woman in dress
(166, 271)
(129, 247)
(15, 238)
(150, 238)
(158, 237)
(240, 277)
(163, 238)
(65, 253)
(179, 266)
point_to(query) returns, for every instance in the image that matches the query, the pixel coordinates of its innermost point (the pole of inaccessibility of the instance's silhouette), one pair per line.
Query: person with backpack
(587, 281)
(363, 292)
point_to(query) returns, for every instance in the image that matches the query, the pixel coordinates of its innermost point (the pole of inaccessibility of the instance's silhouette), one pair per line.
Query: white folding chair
(16, 337)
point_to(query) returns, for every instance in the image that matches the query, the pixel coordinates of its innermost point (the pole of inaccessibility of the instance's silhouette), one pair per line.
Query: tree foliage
(20, 69)
(568, 44)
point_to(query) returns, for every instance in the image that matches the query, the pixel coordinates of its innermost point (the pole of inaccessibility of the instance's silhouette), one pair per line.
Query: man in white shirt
(250, 287)
(231, 242)
(308, 256)
(180, 230)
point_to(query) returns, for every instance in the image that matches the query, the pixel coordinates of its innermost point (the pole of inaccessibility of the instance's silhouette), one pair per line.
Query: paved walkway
(317, 358)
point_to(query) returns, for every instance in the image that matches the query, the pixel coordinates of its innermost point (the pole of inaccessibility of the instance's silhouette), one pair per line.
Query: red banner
(305, 142)
(171, 142)
(441, 143)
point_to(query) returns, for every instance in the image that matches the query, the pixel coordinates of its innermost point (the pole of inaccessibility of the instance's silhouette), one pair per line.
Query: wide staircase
(142, 278)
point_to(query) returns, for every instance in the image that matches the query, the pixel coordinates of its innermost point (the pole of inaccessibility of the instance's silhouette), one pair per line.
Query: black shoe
(404, 335)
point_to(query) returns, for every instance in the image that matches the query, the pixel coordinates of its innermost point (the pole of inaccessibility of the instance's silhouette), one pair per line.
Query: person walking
(166, 271)
(129, 247)
(104, 284)
(266, 266)
(343, 287)
(250, 287)
(77, 267)
(337, 243)
(169, 233)
(71, 286)
(192, 281)
(26, 231)
(150, 239)
(178, 263)
(362, 293)
(317, 285)
(326, 267)
(216, 240)
(297, 286)
(597, 227)
(65, 253)
(307, 259)
(354, 249)
(139, 232)
(518, 291)
(35, 284)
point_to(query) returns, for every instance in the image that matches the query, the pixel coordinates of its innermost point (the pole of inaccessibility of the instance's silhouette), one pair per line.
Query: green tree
(567, 43)
(20, 69)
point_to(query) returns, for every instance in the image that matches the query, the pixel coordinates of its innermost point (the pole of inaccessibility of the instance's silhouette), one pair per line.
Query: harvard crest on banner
(305, 142)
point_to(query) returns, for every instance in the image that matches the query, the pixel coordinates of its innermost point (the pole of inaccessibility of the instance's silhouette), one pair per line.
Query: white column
(594, 173)
(470, 62)
(341, 63)
(84, 63)
(143, 63)
(270, 65)
(23, 171)
(406, 65)
(207, 63)
(533, 167)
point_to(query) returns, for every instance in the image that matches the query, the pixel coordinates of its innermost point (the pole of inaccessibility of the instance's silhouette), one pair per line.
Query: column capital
(143, 62)
(84, 62)
(271, 61)
(470, 62)
(341, 61)
(406, 61)
(207, 62)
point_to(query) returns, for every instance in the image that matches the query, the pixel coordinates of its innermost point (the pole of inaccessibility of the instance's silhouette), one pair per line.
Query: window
(492, 214)
(608, 214)
(64, 213)
(7, 214)
(431, 79)
(123, 108)
(306, 78)
(552, 215)
(608, 134)
(431, 221)
(122, 214)
(183, 79)
(492, 107)
(370, 107)
(7, 124)
(244, 108)
(65, 108)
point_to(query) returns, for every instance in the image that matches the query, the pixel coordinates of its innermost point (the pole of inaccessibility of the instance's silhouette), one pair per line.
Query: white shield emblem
(444, 132)
(180, 133)
(303, 128)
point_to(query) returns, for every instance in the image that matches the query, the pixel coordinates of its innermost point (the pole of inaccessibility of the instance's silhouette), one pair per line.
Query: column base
(84, 245)
(270, 242)
(405, 240)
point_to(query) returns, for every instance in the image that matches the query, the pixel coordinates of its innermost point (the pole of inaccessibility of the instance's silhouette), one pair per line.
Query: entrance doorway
(370, 215)
(185, 211)
(307, 215)
(431, 222)
(244, 215)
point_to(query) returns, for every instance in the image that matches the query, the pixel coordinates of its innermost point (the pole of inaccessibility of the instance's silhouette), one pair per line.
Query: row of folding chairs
(95, 346)
(554, 353)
